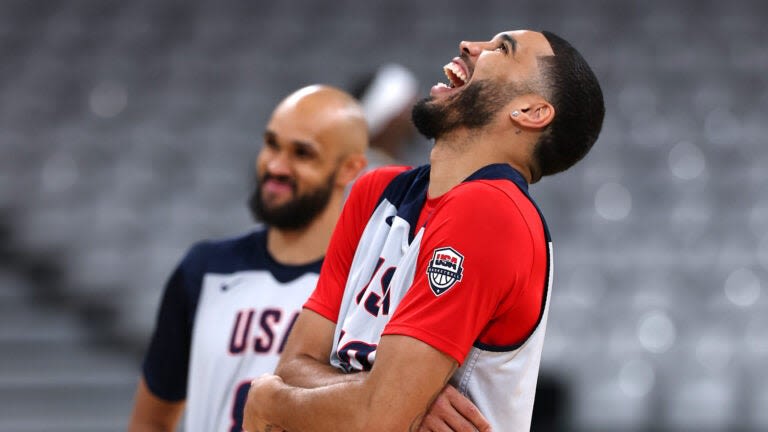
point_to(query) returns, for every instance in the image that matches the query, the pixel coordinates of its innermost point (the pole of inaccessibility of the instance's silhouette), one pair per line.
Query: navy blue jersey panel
(408, 192)
(249, 252)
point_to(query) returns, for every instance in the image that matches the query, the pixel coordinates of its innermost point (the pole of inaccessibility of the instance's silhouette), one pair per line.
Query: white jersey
(467, 273)
(225, 317)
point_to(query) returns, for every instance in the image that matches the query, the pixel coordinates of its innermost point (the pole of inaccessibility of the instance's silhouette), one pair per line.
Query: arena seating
(128, 131)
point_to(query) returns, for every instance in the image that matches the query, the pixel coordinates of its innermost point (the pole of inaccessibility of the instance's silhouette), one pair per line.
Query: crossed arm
(307, 394)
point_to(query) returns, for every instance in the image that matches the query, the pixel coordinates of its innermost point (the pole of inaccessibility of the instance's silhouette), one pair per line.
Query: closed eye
(304, 151)
(270, 140)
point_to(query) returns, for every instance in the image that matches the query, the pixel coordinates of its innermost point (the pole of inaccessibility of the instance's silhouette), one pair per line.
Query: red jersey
(467, 273)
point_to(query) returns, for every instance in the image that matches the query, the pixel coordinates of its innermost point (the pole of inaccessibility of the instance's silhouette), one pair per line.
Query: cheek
(310, 177)
(262, 162)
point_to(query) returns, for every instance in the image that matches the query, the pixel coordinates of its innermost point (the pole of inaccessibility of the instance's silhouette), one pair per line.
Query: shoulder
(210, 254)
(379, 178)
(367, 190)
(498, 189)
(488, 199)
(496, 207)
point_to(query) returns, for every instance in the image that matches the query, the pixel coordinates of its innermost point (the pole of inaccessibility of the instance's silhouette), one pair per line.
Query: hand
(453, 412)
(262, 389)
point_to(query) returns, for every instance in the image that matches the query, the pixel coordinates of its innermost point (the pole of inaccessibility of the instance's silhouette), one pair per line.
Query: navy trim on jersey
(499, 171)
(408, 193)
(166, 364)
(249, 252)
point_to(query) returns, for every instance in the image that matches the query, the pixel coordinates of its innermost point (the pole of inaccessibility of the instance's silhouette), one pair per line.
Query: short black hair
(572, 88)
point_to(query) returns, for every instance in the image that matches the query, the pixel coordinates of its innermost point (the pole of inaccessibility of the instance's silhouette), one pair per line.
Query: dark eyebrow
(269, 136)
(512, 42)
(308, 146)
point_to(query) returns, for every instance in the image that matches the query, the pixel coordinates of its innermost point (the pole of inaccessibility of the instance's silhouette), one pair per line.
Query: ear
(351, 167)
(532, 113)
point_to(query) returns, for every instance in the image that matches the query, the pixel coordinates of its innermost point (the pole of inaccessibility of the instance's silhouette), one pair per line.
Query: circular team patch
(444, 269)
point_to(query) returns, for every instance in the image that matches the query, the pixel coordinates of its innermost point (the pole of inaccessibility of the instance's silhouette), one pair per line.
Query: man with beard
(229, 305)
(442, 273)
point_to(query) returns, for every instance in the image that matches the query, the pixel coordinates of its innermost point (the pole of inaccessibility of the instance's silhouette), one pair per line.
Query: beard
(473, 108)
(298, 212)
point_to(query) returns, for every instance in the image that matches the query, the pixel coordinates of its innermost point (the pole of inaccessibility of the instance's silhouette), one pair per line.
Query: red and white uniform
(468, 273)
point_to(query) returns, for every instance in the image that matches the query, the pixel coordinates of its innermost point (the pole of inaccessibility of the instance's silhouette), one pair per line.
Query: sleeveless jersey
(224, 318)
(467, 273)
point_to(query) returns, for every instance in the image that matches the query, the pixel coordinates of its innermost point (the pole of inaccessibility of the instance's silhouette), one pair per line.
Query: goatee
(472, 108)
(295, 214)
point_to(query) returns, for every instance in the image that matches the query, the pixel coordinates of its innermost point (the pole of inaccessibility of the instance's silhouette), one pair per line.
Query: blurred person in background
(387, 96)
(443, 273)
(229, 305)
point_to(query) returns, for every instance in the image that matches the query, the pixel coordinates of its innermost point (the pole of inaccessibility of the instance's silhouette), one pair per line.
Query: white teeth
(456, 71)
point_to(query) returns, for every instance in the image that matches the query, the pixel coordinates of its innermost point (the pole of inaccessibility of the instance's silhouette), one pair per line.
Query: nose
(277, 163)
(470, 48)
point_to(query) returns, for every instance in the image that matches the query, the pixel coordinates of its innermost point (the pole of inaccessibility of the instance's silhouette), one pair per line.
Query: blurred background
(128, 130)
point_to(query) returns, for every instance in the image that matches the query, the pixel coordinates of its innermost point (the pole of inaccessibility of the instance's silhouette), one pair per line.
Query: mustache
(278, 178)
(465, 57)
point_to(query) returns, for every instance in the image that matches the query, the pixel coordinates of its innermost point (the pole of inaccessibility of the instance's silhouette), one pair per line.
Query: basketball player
(230, 304)
(442, 273)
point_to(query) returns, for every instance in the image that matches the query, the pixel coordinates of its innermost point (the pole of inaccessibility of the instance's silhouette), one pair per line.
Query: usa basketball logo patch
(445, 269)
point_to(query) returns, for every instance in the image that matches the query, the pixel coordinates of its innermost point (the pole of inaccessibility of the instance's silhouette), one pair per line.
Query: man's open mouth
(457, 77)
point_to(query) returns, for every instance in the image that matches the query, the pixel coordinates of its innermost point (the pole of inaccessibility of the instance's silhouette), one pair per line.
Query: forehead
(317, 127)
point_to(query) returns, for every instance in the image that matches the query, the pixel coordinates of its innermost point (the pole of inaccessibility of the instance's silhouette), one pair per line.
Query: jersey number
(357, 355)
(241, 395)
(375, 303)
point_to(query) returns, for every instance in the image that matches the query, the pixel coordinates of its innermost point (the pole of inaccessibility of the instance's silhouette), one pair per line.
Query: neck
(456, 157)
(307, 244)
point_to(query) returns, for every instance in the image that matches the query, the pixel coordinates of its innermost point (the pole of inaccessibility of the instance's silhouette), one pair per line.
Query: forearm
(305, 361)
(394, 396)
(307, 372)
(344, 406)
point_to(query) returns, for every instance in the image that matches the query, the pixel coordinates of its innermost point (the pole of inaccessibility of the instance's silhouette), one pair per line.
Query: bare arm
(304, 363)
(152, 414)
(407, 377)
(305, 359)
